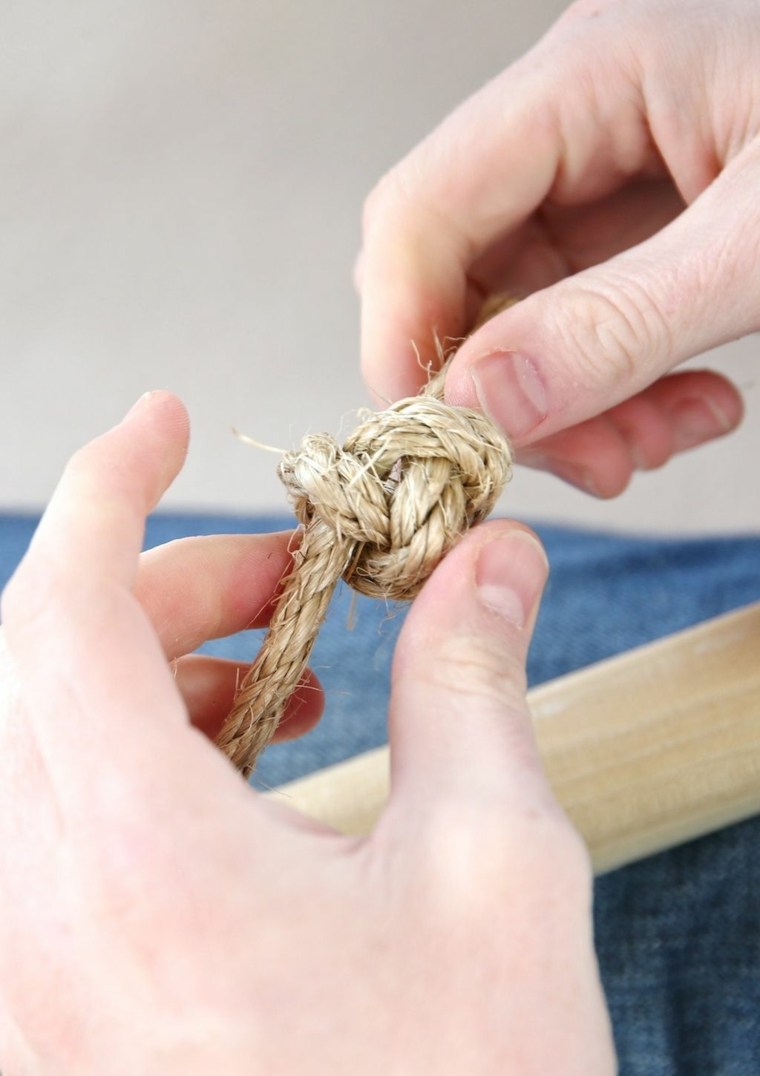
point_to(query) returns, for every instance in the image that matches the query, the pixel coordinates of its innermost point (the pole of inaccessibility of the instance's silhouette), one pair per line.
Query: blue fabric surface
(678, 935)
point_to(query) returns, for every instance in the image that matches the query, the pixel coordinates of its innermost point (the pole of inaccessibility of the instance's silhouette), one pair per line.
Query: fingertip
(208, 586)
(594, 457)
(155, 399)
(676, 413)
(414, 297)
(396, 354)
(162, 415)
(458, 717)
(499, 565)
(510, 572)
(728, 398)
(701, 408)
(304, 709)
(163, 406)
(208, 687)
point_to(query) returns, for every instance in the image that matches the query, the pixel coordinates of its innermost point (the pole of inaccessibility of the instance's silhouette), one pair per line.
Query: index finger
(550, 125)
(95, 684)
(95, 521)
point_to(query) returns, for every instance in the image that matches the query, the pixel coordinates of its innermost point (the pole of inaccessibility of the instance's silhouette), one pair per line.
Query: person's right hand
(611, 176)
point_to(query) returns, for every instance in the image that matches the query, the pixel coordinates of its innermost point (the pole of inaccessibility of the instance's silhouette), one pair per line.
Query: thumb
(578, 348)
(459, 723)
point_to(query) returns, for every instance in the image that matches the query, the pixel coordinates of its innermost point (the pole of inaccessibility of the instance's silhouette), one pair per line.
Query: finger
(559, 240)
(591, 233)
(110, 731)
(474, 180)
(208, 686)
(459, 724)
(195, 589)
(673, 415)
(589, 342)
(95, 521)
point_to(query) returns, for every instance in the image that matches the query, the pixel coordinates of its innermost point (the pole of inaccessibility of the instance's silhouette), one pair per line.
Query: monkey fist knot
(404, 487)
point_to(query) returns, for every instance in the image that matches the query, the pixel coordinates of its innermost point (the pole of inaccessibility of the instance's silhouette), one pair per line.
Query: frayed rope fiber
(379, 512)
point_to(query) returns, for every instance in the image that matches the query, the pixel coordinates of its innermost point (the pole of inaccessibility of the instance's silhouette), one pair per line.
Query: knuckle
(549, 848)
(394, 191)
(461, 861)
(79, 458)
(569, 859)
(481, 668)
(480, 856)
(375, 204)
(615, 332)
(84, 459)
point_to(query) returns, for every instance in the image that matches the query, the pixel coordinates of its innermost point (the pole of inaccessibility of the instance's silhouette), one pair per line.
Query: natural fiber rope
(380, 512)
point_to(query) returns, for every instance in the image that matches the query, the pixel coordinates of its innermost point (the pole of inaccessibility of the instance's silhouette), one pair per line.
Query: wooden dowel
(644, 750)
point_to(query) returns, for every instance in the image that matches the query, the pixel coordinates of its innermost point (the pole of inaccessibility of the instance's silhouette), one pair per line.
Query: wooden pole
(644, 751)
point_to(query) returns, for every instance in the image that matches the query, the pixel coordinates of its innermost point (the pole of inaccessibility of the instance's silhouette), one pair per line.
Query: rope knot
(407, 483)
(380, 512)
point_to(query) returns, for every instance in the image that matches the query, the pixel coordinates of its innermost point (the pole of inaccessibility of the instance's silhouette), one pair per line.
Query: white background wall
(180, 194)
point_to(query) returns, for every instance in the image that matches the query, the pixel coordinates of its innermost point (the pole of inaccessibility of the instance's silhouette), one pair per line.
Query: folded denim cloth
(678, 935)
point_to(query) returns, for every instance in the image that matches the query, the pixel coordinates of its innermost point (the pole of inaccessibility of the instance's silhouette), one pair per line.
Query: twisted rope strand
(380, 512)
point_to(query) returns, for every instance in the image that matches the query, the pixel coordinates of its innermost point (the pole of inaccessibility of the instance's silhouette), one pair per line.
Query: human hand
(610, 176)
(159, 916)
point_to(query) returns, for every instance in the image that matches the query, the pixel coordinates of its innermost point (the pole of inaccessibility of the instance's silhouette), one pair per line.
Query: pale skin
(159, 916)
(610, 178)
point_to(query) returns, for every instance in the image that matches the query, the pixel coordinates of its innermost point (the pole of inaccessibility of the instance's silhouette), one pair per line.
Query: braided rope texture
(380, 512)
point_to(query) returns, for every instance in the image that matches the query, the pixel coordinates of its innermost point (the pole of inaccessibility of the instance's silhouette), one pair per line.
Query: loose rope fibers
(379, 512)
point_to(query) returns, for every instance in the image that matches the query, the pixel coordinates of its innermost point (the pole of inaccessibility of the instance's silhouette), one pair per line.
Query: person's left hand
(153, 611)
(159, 917)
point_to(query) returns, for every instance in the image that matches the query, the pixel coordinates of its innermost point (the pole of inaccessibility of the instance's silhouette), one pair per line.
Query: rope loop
(404, 487)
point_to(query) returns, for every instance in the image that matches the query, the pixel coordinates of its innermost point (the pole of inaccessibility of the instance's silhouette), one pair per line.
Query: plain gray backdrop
(180, 200)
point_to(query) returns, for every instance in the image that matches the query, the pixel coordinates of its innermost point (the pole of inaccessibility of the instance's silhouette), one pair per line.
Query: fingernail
(580, 477)
(510, 389)
(138, 404)
(698, 419)
(510, 572)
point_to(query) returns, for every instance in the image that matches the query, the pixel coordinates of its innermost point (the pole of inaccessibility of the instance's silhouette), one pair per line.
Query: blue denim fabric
(678, 935)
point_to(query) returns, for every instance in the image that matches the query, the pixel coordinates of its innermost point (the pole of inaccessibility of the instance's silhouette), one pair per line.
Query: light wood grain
(644, 751)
